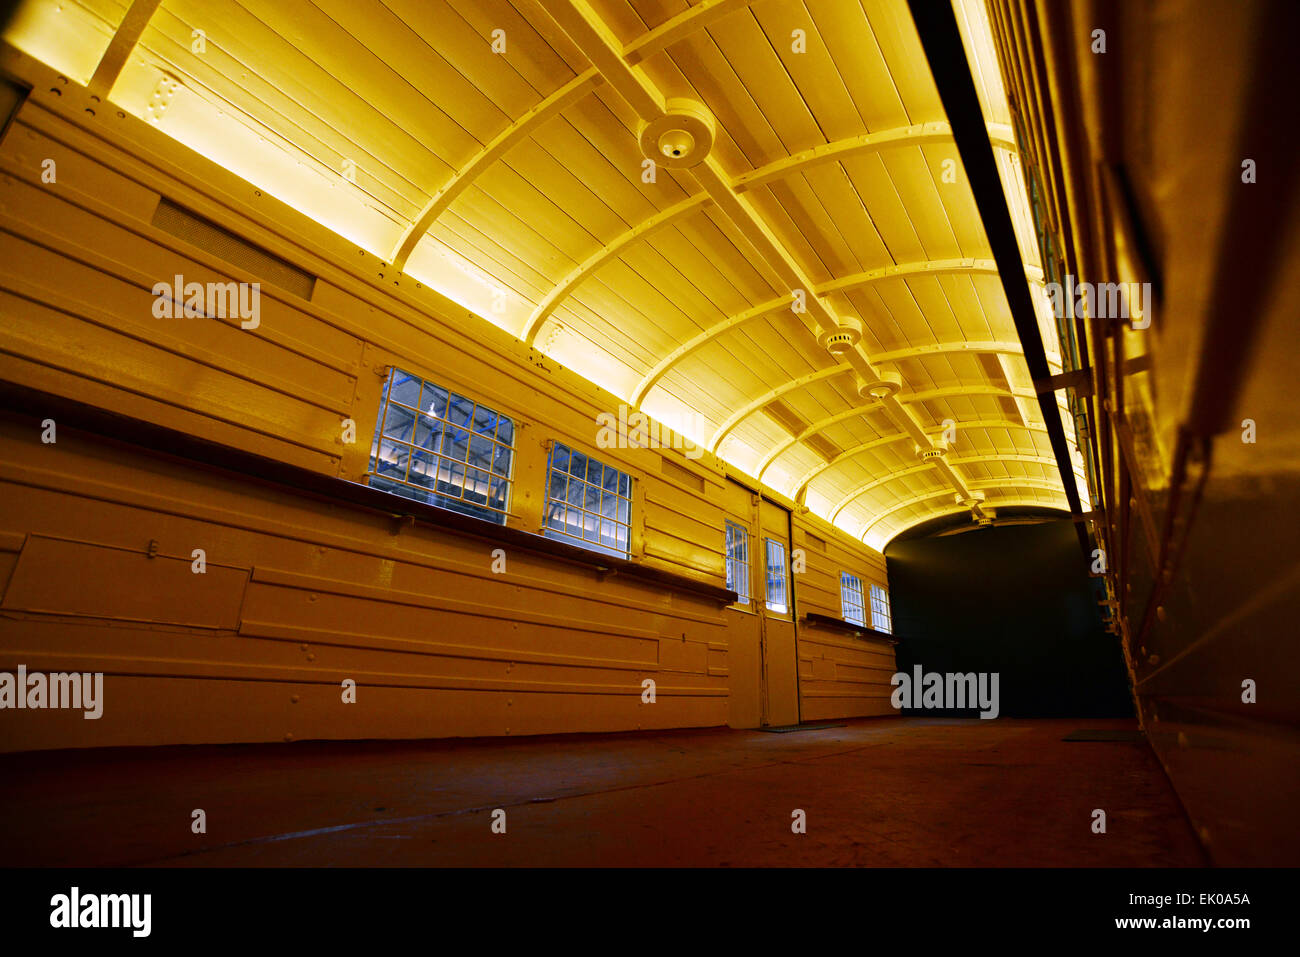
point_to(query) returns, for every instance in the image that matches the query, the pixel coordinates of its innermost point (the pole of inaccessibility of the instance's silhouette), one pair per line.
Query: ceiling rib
(119, 49)
(912, 397)
(920, 134)
(966, 460)
(650, 43)
(593, 36)
(556, 103)
(897, 355)
(927, 267)
(749, 408)
(1001, 484)
(679, 27)
(612, 250)
(806, 479)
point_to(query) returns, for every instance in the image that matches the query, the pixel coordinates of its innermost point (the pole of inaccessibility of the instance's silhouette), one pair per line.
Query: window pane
(434, 401)
(480, 451)
(476, 486)
(501, 460)
(738, 561)
(851, 598)
(459, 409)
(578, 464)
(435, 449)
(398, 422)
(404, 388)
(485, 421)
(776, 600)
(577, 510)
(392, 459)
(455, 444)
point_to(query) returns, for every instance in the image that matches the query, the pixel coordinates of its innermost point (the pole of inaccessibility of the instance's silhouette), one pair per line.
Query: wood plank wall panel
(840, 675)
(438, 644)
(322, 593)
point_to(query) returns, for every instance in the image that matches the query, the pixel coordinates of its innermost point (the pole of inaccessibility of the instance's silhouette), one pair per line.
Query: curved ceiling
(490, 148)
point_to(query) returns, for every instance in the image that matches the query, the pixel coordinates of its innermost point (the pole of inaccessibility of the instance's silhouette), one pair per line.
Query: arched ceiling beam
(896, 355)
(611, 250)
(911, 398)
(597, 42)
(920, 134)
(700, 339)
(1008, 484)
(663, 36)
(856, 450)
(857, 493)
(553, 105)
(772, 395)
(927, 267)
(679, 27)
(119, 49)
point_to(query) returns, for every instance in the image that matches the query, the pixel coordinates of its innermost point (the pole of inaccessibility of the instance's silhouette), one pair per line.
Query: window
(588, 503)
(433, 445)
(776, 600)
(851, 598)
(738, 561)
(880, 610)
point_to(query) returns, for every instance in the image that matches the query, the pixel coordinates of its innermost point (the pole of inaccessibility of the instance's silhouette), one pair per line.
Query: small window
(851, 598)
(588, 503)
(880, 610)
(776, 586)
(738, 561)
(435, 446)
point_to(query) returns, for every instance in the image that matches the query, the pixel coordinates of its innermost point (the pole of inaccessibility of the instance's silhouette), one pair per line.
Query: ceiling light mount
(843, 337)
(682, 137)
(929, 453)
(883, 386)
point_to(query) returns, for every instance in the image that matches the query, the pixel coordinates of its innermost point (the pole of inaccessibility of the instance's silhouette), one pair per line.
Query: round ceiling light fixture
(843, 337)
(931, 452)
(882, 387)
(676, 144)
(682, 137)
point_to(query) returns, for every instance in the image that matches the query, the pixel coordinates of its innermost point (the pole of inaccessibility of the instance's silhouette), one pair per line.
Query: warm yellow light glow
(234, 140)
(451, 274)
(574, 351)
(69, 36)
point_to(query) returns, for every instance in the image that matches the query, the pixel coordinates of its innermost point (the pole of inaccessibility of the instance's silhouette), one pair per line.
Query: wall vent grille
(219, 241)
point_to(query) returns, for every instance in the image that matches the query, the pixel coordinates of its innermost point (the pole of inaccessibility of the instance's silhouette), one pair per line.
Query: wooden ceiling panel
(523, 169)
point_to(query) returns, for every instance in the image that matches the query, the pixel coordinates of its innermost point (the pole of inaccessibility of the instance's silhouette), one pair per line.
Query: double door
(761, 629)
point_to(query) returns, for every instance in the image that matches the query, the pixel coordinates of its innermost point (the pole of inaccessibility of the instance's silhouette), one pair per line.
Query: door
(780, 663)
(744, 620)
(760, 625)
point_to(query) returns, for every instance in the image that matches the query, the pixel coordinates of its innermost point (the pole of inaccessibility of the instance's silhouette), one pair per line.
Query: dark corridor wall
(1015, 600)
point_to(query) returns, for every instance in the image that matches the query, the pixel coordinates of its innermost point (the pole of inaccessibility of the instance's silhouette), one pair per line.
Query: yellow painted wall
(301, 593)
(840, 675)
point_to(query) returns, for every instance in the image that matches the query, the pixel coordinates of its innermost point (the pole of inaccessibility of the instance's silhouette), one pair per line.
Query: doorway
(760, 625)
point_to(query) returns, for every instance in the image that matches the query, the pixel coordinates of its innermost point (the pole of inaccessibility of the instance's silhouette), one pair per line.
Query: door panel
(744, 621)
(780, 664)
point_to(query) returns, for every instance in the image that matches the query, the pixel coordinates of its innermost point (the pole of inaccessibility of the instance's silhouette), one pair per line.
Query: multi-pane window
(851, 598)
(880, 610)
(776, 581)
(436, 446)
(738, 561)
(588, 503)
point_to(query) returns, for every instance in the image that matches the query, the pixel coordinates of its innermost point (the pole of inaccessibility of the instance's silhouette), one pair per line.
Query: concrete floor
(877, 792)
